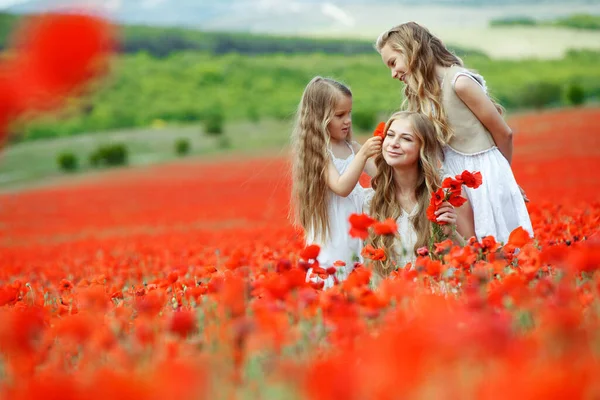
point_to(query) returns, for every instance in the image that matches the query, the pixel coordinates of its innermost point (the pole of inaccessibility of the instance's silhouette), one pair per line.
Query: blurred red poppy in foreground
(52, 56)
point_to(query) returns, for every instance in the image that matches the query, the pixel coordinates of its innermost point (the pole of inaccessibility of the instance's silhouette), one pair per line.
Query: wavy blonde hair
(385, 203)
(423, 52)
(310, 140)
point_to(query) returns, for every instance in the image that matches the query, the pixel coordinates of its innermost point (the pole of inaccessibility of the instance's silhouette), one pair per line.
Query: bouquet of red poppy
(450, 192)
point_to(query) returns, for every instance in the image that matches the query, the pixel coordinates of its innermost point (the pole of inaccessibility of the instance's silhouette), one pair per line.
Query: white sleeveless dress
(339, 245)
(498, 205)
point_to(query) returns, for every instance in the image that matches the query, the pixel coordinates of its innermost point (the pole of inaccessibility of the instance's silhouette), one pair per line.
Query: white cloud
(335, 12)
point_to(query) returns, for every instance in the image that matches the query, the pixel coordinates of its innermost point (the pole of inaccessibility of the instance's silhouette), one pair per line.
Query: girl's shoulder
(354, 146)
(457, 71)
(351, 146)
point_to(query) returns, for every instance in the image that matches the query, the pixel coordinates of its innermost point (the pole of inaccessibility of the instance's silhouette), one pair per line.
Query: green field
(170, 83)
(33, 163)
(574, 21)
(189, 87)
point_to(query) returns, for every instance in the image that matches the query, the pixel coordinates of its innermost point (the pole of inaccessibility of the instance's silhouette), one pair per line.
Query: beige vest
(470, 136)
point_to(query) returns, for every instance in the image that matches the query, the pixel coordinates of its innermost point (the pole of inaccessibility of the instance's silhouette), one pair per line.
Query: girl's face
(396, 62)
(401, 146)
(339, 126)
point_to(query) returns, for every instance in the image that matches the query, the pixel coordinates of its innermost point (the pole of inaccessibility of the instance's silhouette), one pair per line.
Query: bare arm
(343, 184)
(459, 217)
(465, 222)
(370, 168)
(480, 104)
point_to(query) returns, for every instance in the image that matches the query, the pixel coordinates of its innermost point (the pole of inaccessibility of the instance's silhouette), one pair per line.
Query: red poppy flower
(450, 192)
(488, 243)
(457, 201)
(372, 253)
(454, 185)
(378, 255)
(423, 251)
(65, 285)
(518, 237)
(183, 323)
(438, 197)
(59, 52)
(431, 212)
(311, 252)
(471, 180)
(387, 227)
(443, 246)
(359, 225)
(379, 130)
(331, 271)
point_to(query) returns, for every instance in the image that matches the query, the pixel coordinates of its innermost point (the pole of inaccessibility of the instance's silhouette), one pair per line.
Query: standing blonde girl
(469, 124)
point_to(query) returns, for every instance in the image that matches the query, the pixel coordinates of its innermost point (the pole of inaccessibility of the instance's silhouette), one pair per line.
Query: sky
(8, 3)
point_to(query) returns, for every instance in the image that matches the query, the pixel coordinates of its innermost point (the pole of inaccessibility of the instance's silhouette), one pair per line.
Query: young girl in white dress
(407, 175)
(468, 122)
(326, 169)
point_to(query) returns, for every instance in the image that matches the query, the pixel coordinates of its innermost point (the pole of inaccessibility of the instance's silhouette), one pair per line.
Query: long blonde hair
(310, 140)
(385, 203)
(423, 52)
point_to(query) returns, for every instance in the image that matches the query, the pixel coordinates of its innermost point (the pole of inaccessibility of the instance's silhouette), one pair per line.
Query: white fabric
(340, 246)
(404, 245)
(476, 77)
(498, 206)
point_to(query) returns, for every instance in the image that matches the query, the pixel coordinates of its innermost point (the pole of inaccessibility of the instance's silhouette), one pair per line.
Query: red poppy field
(186, 281)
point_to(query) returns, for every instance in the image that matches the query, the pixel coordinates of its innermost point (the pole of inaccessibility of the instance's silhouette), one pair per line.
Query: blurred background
(201, 79)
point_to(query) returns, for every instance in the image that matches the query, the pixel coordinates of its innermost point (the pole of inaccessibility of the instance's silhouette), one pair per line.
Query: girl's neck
(337, 142)
(406, 179)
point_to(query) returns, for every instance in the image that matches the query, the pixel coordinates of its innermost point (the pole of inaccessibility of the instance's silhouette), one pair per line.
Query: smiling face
(396, 62)
(401, 145)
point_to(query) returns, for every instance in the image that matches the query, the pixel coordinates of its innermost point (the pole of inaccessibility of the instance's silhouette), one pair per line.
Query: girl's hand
(447, 213)
(371, 147)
